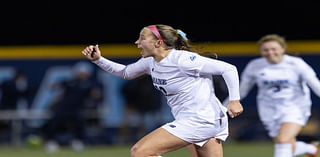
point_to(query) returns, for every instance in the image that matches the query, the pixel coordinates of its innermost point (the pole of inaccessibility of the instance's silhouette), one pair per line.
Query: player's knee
(284, 140)
(141, 151)
(136, 151)
(133, 151)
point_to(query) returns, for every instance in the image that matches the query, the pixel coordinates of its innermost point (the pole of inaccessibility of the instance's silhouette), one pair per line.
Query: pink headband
(155, 31)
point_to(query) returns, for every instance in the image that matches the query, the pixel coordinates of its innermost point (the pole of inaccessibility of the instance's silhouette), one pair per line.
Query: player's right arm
(126, 72)
(247, 80)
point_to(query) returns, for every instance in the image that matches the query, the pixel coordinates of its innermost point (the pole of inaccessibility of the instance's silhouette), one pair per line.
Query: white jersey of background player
(185, 78)
(283, 98)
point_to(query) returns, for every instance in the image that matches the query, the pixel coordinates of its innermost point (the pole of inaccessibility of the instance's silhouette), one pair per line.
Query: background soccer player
(283, 99)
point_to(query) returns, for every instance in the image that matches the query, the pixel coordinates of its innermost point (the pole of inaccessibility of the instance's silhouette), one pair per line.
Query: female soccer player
(283, 98)
(184, 77)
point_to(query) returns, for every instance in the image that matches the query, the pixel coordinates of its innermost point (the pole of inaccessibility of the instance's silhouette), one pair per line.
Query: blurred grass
(261, 149)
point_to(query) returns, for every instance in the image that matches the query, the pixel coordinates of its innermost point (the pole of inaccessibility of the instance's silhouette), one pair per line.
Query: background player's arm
(308, 74)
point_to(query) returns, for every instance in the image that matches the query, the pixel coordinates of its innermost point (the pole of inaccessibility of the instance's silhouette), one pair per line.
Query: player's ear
(158, 43)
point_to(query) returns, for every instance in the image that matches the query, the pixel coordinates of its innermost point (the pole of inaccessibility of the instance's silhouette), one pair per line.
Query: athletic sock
(283, 150)
(304, 148)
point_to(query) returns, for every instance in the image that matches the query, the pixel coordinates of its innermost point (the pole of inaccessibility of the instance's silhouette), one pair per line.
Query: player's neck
(161, 55)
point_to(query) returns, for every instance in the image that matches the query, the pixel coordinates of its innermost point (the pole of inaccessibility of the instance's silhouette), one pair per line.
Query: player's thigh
(213, 148)
(192, 150)
(288, 132)
(158, 142)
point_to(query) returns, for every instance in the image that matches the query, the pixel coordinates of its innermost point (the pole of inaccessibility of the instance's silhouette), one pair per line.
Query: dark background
(92, 21)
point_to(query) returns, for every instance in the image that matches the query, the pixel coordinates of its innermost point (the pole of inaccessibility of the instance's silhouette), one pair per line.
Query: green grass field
(230, 150)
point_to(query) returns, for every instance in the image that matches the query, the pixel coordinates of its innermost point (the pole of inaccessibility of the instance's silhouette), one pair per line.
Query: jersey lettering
(159, 81)
(276, 85)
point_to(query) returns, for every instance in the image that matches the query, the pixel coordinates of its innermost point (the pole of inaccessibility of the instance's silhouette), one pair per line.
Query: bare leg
(288, 133)
(213, 148)
(156, 143)
(192, 149)
(286, 139)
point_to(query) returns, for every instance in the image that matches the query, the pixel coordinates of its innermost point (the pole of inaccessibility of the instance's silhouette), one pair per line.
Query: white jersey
(282, 85)
(185, 79)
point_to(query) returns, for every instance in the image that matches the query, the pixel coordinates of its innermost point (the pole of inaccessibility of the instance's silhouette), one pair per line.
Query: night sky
(52, 22)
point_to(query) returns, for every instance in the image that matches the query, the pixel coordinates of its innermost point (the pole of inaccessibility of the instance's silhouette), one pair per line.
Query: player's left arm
(309, 75)
(230, 75)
